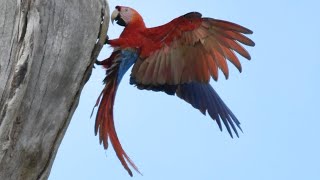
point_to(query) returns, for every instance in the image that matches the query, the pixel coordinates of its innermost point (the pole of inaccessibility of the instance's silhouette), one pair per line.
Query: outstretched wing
(191, 49)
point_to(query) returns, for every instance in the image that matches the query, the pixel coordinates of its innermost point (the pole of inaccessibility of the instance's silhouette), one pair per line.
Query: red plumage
(177, 58)
(104, 119)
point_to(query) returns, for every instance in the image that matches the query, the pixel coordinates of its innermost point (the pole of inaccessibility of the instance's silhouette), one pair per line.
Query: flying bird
(177, 58)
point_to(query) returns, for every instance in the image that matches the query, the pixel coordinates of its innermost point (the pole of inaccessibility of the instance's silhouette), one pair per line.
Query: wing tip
(248, 31)
(193, 15)
(252, 43)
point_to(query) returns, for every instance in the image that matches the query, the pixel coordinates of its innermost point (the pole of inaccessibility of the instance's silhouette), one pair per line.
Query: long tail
(204, 97)
(104, 120)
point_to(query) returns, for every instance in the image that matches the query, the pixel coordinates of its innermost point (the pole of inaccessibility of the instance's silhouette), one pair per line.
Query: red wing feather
(191, 48)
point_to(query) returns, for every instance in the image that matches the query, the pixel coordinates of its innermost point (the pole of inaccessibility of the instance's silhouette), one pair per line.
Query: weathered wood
(47, 49)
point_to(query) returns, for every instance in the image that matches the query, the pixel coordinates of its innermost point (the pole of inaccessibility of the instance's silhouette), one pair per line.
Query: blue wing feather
(210, 102)
(202, 97)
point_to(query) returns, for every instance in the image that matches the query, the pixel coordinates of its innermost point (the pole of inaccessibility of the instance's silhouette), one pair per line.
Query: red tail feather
(105, 124)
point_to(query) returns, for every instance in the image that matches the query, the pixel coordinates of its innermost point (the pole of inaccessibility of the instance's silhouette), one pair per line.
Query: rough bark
(47, 49)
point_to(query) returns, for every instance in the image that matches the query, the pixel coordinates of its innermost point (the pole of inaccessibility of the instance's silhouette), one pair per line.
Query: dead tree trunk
(47, 49)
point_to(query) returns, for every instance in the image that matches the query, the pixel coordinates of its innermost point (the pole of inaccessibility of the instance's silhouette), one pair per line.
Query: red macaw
(176, 58)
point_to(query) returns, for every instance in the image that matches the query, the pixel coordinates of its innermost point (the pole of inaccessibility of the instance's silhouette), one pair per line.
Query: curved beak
(115, 14)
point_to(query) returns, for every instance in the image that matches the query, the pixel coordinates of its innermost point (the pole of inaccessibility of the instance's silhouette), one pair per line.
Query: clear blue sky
(276, 98)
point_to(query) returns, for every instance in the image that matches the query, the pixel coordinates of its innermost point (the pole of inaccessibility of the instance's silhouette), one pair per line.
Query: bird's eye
(126, 9)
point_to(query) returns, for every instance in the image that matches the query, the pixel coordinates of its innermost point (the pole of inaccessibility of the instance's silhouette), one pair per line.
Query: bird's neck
(136, 26)
(132, 35)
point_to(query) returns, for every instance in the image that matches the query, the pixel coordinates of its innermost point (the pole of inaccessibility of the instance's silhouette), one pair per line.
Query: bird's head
(125, 16)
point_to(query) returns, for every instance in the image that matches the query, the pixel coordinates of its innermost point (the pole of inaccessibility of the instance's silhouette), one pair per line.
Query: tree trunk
(47, 50)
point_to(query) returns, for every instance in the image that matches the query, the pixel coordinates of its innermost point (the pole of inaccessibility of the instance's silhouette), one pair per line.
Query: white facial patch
(126, 14)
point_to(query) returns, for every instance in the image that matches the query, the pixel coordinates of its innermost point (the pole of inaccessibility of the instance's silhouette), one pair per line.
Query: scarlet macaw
(176, 58)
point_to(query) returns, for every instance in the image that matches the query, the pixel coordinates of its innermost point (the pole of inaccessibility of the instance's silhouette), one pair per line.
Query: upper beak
(114, 15)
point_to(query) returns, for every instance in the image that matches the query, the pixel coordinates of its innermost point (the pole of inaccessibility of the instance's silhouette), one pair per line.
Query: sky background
(276, 98)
